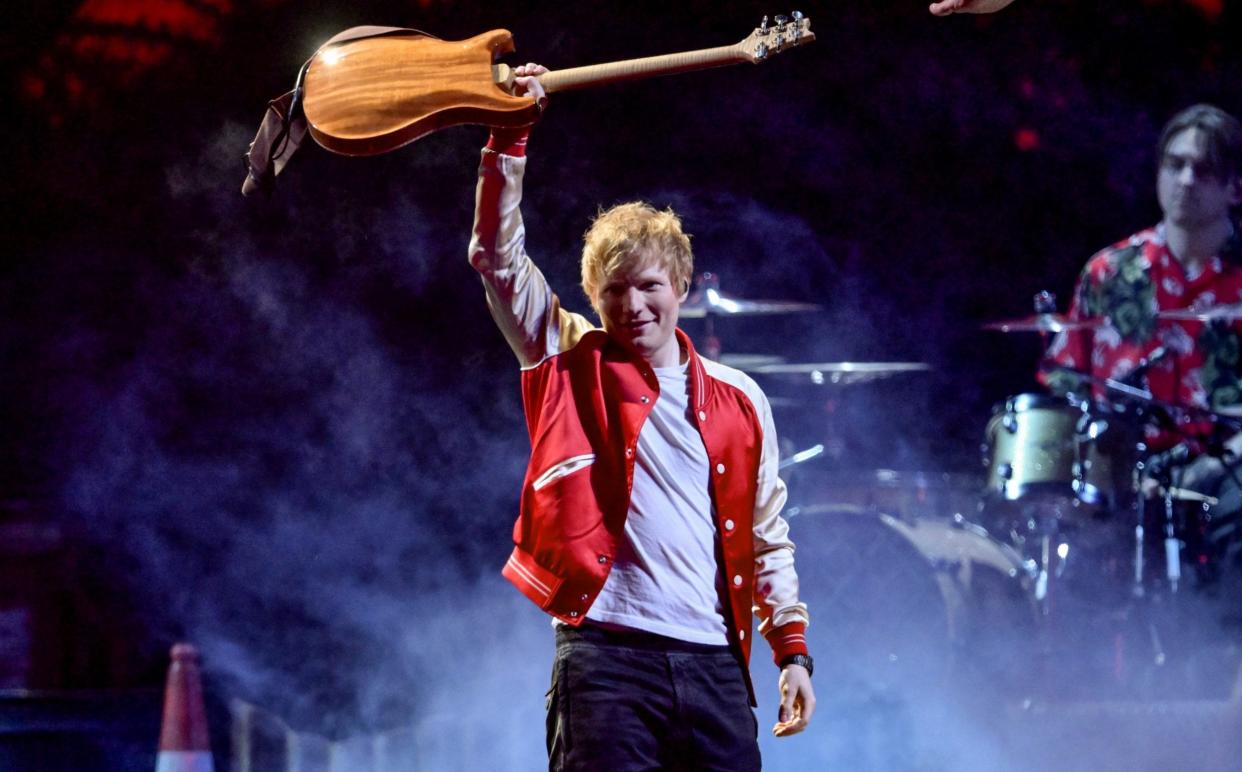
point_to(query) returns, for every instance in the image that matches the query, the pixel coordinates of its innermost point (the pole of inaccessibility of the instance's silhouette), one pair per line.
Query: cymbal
(748, 361)
(820, 373)
(1043, 323)
(1226, 313)
(703, 302)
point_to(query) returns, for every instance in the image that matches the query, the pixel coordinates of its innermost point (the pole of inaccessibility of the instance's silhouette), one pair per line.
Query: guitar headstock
(783, 33)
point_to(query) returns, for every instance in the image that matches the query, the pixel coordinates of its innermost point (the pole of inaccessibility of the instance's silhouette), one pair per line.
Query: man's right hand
(512, 141)
(947, 7)
(526, 81)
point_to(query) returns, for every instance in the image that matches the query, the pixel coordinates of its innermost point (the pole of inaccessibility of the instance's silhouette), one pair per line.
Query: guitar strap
(284, 124)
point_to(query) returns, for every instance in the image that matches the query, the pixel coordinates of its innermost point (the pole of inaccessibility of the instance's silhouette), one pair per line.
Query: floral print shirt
(1126, 285)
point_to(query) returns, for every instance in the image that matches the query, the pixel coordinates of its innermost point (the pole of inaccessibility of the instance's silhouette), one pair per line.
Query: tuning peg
(761, 51)
(781, 20)
(763, 25)
(797, 16)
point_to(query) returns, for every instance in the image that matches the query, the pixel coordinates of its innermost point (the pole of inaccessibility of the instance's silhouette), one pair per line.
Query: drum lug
(1005, 471)
(1010, 422)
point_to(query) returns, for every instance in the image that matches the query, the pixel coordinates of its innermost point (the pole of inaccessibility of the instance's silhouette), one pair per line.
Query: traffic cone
(184, 745)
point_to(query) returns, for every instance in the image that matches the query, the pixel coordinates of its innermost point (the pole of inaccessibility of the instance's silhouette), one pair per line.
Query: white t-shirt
(665, 578)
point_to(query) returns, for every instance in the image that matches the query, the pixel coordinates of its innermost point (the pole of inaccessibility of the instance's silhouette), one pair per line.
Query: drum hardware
(836, 373)
(1122, 398)
(1220, 313)
(907, 495)
(1042, 323)
(1065, 482)
(916, 601)
(1046, 320)
(1186, 494)
(1160, 468)
(815, 451)
(1135, 376)
(1034, 446)
(1055, 465)
(746, 361)
(707, 300)
(778, 403)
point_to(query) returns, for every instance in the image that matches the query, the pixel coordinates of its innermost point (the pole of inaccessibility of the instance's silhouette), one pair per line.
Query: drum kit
(1069, 498)
(1059, 465)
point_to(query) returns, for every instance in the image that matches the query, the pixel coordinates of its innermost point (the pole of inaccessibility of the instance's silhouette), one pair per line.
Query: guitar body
(373, 95)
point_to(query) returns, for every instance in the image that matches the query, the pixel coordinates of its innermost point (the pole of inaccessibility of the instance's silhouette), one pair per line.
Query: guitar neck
(636, 69)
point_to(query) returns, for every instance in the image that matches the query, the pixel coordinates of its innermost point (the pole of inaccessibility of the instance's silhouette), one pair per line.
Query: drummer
(1192, 259)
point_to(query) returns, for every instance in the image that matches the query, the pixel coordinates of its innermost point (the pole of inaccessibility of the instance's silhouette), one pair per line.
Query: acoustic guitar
(375, 94)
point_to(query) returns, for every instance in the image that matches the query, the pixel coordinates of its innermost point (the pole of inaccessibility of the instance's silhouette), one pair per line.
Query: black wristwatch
(800, 659)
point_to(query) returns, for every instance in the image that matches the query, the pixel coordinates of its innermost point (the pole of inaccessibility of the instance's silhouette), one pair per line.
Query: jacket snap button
(719, 468)
(603, 558)
(728, 525)
(737, 581)
(741, 635)
(629, 452)
(702, 415)
(584, 596)
(645, 399)
(573, 613)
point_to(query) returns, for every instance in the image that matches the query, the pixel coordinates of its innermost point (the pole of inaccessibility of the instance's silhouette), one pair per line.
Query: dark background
(286, 428)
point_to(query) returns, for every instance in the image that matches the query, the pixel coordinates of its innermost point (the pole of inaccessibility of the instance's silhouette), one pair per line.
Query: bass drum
(910, 603)
(904, 494)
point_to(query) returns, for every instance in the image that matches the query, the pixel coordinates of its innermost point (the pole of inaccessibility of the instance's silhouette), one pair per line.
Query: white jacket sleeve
(525, 308)
(776, 580)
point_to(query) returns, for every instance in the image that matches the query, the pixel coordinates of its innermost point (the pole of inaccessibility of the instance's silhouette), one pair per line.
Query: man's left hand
(797, 701)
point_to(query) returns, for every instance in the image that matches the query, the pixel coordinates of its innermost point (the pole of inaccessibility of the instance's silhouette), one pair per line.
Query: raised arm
(525, 308)
(947, 7)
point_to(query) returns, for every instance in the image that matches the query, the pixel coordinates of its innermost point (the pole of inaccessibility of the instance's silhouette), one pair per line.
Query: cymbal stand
(1140, 507)
(1161, 467)
(1045, 302)
(709, 282)
(1172, 546)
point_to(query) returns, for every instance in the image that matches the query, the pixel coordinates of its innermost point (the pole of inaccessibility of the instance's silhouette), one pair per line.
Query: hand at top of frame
(797, 701)
(946, 7)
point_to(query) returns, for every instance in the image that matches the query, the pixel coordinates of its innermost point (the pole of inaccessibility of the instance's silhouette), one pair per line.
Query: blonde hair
(629, 236)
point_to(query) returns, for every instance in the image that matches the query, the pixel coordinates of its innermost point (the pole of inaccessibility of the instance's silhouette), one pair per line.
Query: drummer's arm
(1233, 447)
(1205, 472)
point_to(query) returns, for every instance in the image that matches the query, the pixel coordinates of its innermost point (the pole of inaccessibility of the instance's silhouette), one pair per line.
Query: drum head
(1022, 402)
(907, 605)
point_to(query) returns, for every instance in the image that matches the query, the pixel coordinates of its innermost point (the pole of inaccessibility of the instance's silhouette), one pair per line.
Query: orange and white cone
(184, 744)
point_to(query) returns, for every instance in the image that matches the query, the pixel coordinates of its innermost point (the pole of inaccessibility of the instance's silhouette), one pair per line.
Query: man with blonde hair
(649, 526)
(619, 237)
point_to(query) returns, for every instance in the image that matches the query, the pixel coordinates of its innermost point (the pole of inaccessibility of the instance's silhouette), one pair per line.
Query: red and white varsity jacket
(586, 399)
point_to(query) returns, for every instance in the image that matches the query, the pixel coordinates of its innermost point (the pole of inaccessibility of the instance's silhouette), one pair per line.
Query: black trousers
(630, 701)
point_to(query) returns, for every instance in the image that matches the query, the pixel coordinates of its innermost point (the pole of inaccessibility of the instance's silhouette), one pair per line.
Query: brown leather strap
(284, 125)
